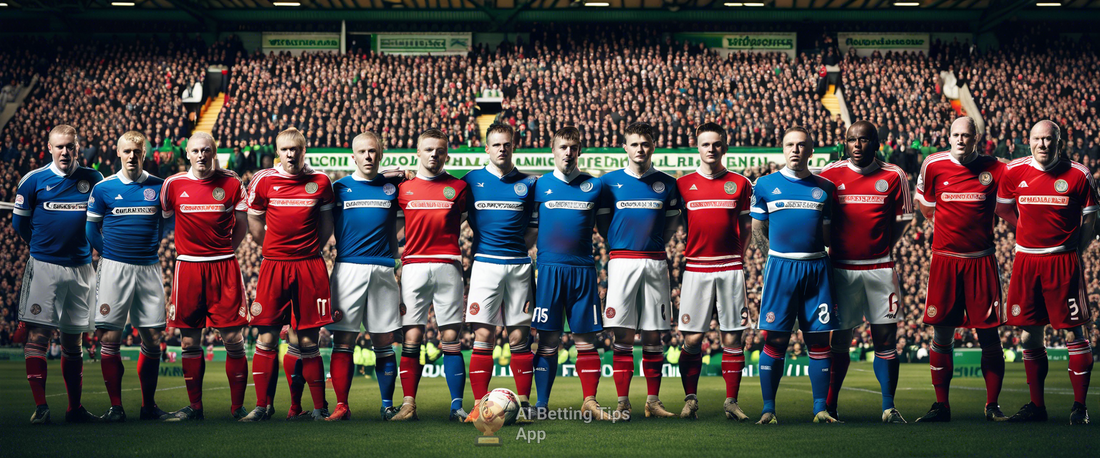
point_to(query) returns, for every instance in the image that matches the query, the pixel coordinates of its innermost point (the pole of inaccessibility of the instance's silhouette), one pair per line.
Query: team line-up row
(828, 237)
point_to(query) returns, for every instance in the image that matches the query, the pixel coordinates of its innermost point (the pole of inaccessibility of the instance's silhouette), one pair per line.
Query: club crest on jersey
(686, 318)
(256, 309)
(91, 200)
(730, 187)
(311, 187)
(1061, 186)
(219, 194)
(36, 309)
(149, 194)
(658, 187)
(932, 311)
(609, 313)
(1016, 310)
(474, 308)
(19, 199)
(337, 316)
(449, 192)
(985, 178)
(83, 186)
(521, 189)
(881, 186)
(770, 317)
(387, 188)
(104, 309)
(817, 193)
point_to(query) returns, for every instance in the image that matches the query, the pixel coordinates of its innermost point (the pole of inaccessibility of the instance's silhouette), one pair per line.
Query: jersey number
(1074, 309)
(541, 316)
(823, 313)
(322, 307)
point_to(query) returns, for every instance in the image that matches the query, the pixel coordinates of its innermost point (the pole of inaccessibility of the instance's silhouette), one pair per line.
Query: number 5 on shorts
(540, 315)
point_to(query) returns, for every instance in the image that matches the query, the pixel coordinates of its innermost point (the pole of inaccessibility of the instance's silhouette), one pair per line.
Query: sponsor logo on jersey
(292, 202)
(127, 211)
(66, 206)
(1016, 310)
(207, 208)
(730, 187)
(862, 199)
(795, 205)
(387, 188)
(91, 200)
(218, 194)
(311, 187)
(149, 194)
(817, 193)
(841, 187)
(693, 188)
(640, 204)
(481, 185)
(19, 199)
(449, 193)
(474, 308)
(985, 178)
(586, 186)
(1045, 200)
(104, 309)
(962, 197)
(83, 186)
(658, 187)
(521, 189)
(549, 191)
(255, 309)
(276, 187)
(711, 204)
(1061, 186)
(499, 205)
(881, 186)
(429, 205)
(367, 203)
(569, 205)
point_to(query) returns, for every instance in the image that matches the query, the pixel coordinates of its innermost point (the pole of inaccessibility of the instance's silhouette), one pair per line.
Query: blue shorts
(798, 289)
(568, 290)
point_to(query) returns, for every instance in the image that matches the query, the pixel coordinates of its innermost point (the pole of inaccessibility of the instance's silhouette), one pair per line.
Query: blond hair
(63, 129)
(368, 135)
(134, 137)
(291, 134)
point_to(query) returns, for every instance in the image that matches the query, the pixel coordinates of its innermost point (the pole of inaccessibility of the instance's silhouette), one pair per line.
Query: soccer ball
(498, 408)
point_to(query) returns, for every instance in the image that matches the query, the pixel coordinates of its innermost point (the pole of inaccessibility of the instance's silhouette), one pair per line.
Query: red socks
(838, 370)
(410, 371)
(236, 370)
(523, 369)
(35, 356)
(293, 370)
(194, 367)
(691, 364)
(623, 364)
(148, 368)
(342, 367)
(481, 369)
(588, 369)
(941, 359)
(1080, 368)
(111, 366)
(263, 370)
(651, 368)
(1035, 366)
(733, 362)
(313, 371)
(993, 371)
(72, 370)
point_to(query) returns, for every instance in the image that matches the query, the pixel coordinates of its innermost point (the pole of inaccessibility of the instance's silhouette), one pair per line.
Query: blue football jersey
(364, 217)
(499, 212)
(795, 210)
(57, 206)
(565, 215)
(131, 216)
(639, 208)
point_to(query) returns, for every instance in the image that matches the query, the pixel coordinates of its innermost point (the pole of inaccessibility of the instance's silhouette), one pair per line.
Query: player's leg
(481, 362)
(985, 312)
(777, 318)
(75, 296)
(113, 370)
(34, 353)
(1035, 366)
(310, 310)
(265, 371)
(772, 362)
(383, 319)
(944, 310)
(410, 369)
(522, 363)
(622, 365)
(698, 300)
(349, 284)
(852, 301)
(818, 343)
(455, 366)
(147, 314)
(655, 310)
(385, 371)
(342, 368)
(116, 288)
(817, 319)
(840, 342)
(519, 297)
(993, 371)
(1080, 372)
(446, 295)
(488, 282)
(313, 369)
(691, 365)
(148, 369)
(733, 362)
(546, 365)
(653, 358)
(621, 317)
(942, 363)
(886, 366)
(292, 369)
(194, 369)
(553, 292)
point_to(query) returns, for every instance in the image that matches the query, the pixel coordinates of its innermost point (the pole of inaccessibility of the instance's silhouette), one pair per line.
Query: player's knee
(235, 349)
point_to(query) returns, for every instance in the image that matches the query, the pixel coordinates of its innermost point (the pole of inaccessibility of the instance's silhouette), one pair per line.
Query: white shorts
(126, 290)
(494, 287)
(57, 296)
(367, 295)
(638, 295)
(702, 292)
(426, 283)
(871, 293)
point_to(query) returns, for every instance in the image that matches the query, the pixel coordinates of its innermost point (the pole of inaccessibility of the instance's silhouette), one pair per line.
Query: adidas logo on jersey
(184, 194)
(841, 187)
(118, 197)
(1023, 184)
(777, 191)
(693, 188)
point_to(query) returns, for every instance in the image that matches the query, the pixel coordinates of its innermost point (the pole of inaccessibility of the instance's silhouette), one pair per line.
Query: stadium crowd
(675, 86)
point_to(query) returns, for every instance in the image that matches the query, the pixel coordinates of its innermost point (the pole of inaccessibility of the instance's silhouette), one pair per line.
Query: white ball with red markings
(498, 408)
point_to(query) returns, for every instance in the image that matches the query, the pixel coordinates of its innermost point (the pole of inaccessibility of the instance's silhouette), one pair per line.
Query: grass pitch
(365, 435)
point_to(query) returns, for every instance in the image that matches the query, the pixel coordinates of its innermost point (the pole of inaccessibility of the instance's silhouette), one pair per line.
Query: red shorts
(964, 293)
(1047, 289)
(294, 293)
(209, 293)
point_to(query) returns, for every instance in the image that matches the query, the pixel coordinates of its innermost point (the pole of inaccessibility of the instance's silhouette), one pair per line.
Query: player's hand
(395, 174)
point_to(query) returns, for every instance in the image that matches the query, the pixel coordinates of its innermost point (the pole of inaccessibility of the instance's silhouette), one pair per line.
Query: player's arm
(22, 226)
(744, 223)
(325, 228)
(1006, 203)
(1088, 232)
(166, 224)
(256, 225)
(399, 233)
(255, 206)
(93, 230)
(603, 222)
(926, 194)
(24, 204)
(903, 209)
(760, 236)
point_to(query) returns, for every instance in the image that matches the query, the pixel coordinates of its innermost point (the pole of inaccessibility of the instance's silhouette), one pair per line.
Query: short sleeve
(1089, 202)
(926, 186)
(254, 198)
(166, 205)
(672, 201)
(744, 203)
(903, 202)
(758, 206)
(328, 198)
(606, 200)
(26, 197)
(1006, 191)
(97, 205)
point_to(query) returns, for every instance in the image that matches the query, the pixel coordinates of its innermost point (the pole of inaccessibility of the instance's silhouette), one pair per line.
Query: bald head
(963, 138)
(1045, 142)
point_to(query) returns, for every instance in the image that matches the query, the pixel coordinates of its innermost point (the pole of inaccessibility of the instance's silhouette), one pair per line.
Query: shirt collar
(141, 179)
(649, 172)
(711, 177)
(567, 178)
(973, 156)
(492, 168)
(305, 171)
(789, 173)
(57, 171)
(425, 177)
(874, 166)
(1039, 167)
(357, 178)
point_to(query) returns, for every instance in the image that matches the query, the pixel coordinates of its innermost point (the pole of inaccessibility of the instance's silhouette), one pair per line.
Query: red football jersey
(1050, 203)
(292, 206)
(433, 210)
(965, 197)
(868, 203)
(204, 211)
(713, 206)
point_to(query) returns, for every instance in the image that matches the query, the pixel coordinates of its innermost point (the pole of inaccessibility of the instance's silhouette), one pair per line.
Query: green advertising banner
(749, 41)
(867, 43)
(288, 41)
(422, 43)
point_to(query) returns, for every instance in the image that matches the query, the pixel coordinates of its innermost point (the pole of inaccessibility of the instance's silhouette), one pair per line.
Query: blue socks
(385, 370)
(546, 368)
(455, 371)
(819, 376)
(772, 361)
(886, 371)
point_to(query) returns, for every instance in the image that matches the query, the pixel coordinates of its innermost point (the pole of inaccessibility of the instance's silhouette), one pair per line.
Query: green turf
(863, 434)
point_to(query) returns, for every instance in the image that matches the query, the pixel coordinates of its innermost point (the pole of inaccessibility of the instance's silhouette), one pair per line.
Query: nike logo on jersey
(118, 197)
(620, 185)
(49, 187)
(184, 194)
(1023, 184)
(549, 191)
(777, 191)
(481, 185)
(840, 188)
(693, 188)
